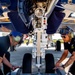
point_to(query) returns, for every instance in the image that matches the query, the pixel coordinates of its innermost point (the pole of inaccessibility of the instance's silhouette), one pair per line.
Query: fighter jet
(35, 16)
(23, 11)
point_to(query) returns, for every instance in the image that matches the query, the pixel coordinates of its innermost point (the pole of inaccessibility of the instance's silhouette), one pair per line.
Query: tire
(49, 63)
(58, 46)
(26, 64)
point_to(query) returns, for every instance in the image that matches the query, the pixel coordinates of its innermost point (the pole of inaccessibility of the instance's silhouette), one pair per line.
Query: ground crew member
(5, 42)
(69, 46)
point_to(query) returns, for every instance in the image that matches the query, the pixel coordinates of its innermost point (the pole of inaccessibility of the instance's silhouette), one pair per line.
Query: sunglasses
(63, 36)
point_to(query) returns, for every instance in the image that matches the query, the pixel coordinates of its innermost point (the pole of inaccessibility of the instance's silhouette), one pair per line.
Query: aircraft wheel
(26, 65)
(49, 63)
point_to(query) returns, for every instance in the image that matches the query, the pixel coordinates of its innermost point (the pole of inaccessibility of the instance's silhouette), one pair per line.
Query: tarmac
(17, 56)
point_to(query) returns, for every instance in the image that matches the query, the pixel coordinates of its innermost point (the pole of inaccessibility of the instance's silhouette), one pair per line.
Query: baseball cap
(65, 30)
(16, 33)
(17, 36)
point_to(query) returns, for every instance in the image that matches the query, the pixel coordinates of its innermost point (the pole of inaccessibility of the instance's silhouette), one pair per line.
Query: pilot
(13, 39)
(69, 46)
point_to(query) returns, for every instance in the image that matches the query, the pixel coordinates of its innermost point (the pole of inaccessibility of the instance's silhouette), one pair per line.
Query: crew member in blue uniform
(5, 42)
(69, 46)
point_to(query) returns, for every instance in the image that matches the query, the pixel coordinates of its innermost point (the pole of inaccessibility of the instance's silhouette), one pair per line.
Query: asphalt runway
(17, 56)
